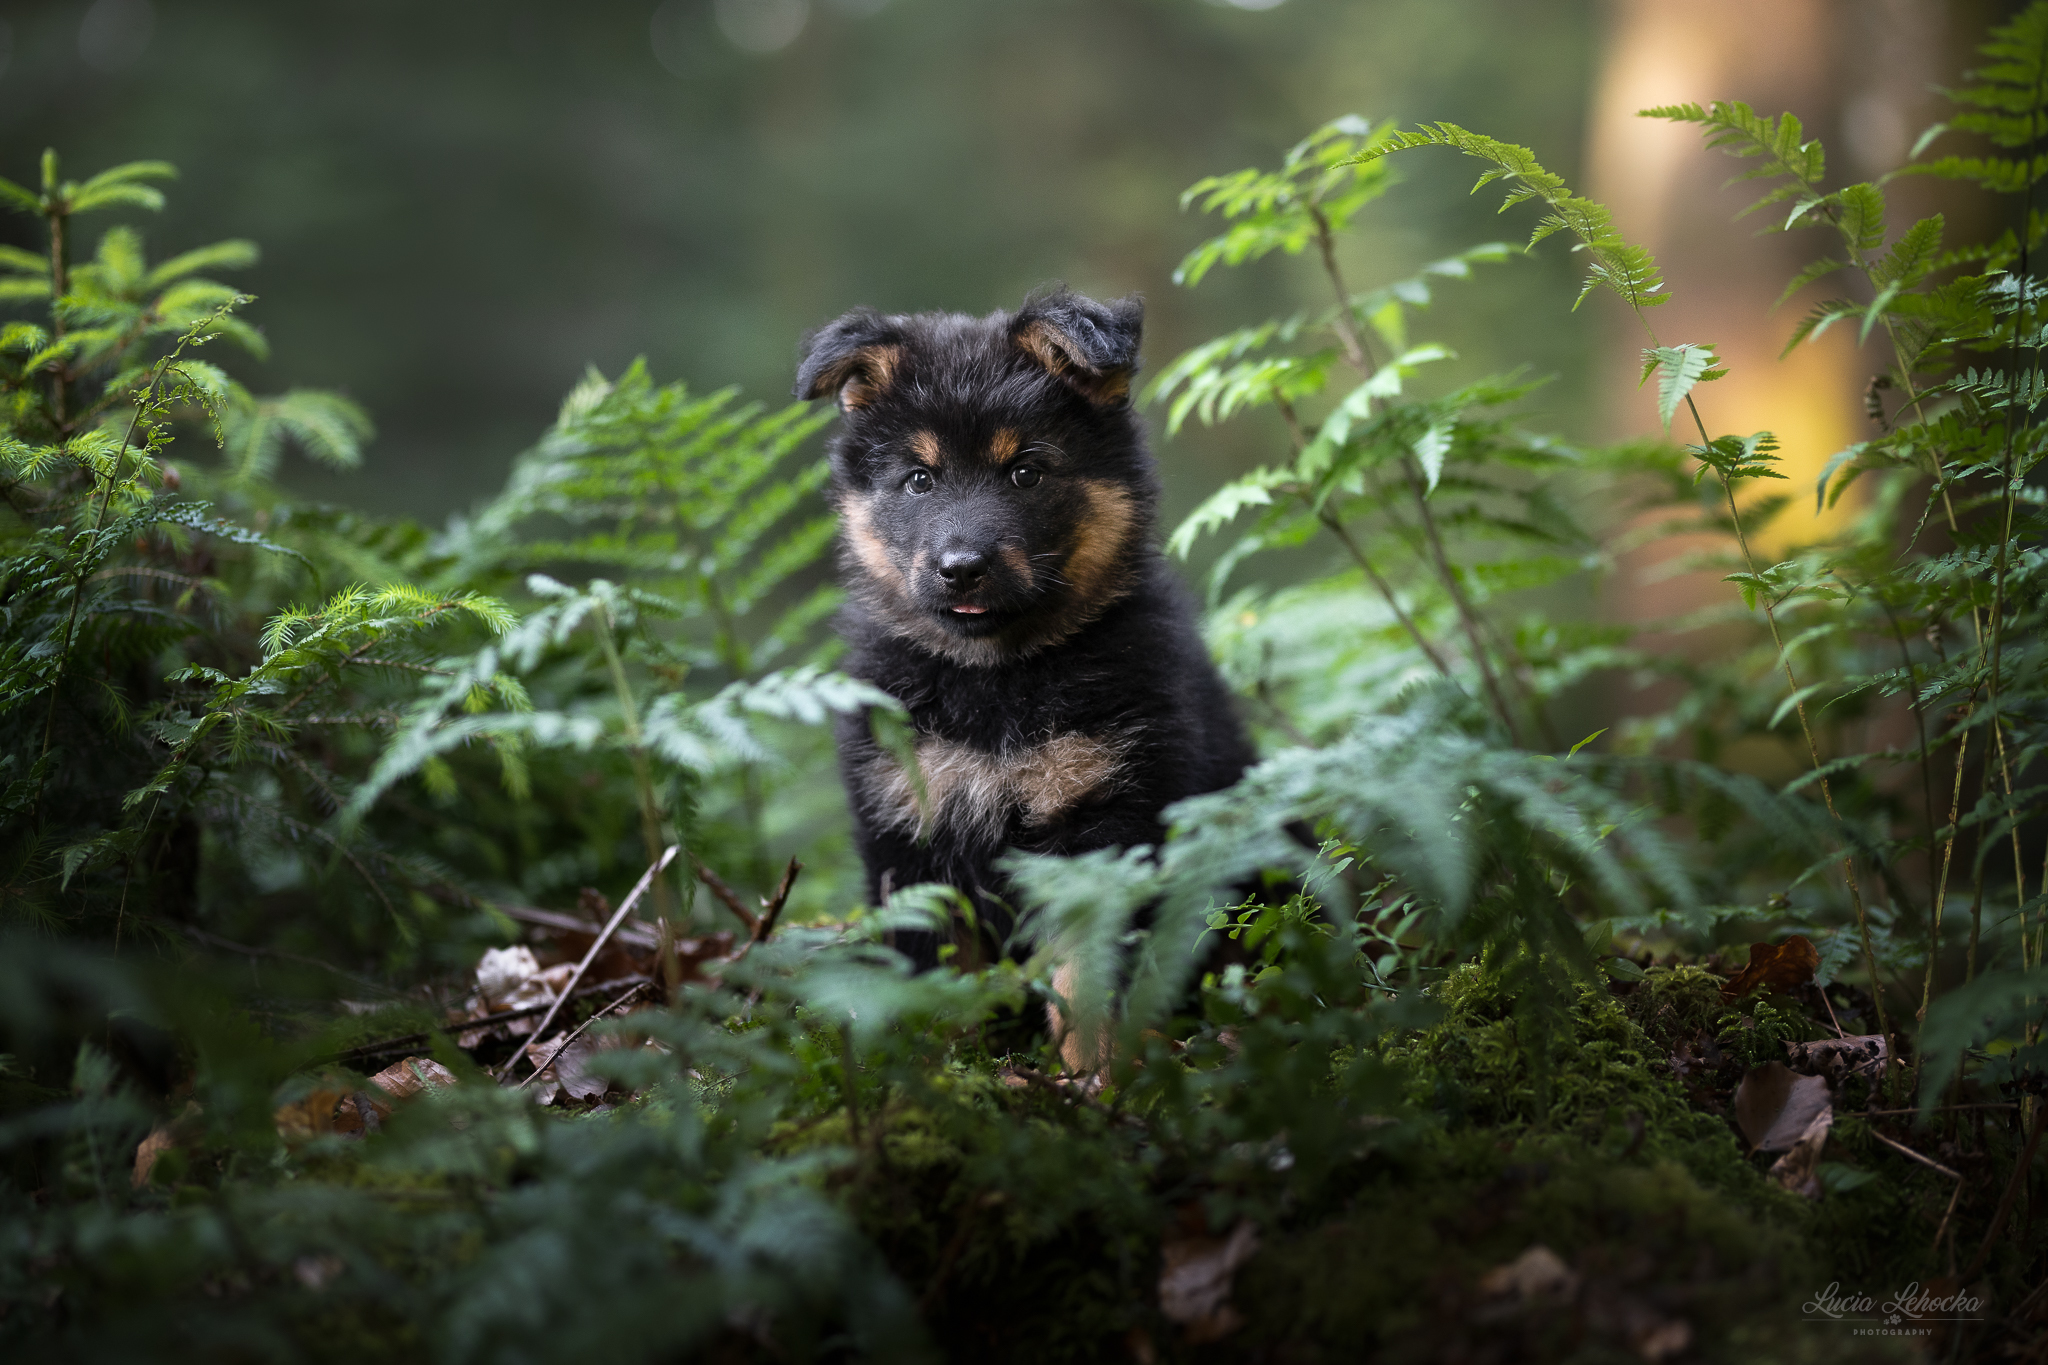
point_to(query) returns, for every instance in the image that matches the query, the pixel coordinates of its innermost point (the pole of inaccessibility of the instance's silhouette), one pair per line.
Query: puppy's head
(992, 482)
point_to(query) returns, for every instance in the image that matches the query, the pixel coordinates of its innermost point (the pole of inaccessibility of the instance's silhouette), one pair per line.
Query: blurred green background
(463, 205)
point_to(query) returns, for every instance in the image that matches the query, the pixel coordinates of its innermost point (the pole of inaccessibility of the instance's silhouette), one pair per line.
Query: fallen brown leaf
(1195, 1275)
(403, 1080)
(1781, 968)
(567, 1075)
(161, 1139)
(1774, 1106)
(1861, 1054)
(1796, 1170)
(349, 1113)
(1663, 1340)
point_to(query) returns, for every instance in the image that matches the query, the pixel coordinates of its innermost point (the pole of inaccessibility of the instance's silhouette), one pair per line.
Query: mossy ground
(1032, 1225)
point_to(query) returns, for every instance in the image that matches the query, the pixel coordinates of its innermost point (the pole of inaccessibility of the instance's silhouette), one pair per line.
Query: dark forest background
(462, 205)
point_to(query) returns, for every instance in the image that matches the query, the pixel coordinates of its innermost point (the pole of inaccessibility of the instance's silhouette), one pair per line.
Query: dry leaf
(1194, 1280)
(1796, 1170)
(567, 1075)
(1774, 1106)
(155, 1145)
(402, 1080)
(1671, 1337)
(161, 1139)
(1538, 1273)
(1860, 1054)
(348, 1113)
(1790, 964)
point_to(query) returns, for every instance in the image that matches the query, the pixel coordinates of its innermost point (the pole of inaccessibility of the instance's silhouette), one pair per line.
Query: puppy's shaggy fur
(997, 505)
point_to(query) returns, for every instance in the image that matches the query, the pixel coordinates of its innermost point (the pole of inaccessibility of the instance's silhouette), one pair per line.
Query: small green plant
(271, 772)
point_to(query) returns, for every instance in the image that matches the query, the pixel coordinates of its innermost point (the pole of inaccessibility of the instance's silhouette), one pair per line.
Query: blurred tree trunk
(1860, 75)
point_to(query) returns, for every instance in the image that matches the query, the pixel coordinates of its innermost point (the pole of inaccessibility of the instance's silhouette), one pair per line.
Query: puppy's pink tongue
(968, 609)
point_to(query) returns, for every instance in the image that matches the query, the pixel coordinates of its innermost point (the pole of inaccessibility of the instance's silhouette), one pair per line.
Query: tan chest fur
(974, 792)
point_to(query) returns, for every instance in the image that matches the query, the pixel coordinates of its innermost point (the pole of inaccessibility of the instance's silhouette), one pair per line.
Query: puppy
(997, 506)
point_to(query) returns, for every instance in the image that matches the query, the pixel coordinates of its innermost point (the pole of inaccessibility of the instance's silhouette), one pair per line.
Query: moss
(1396, 1273)
(1671, 1003)
(1605, 1080)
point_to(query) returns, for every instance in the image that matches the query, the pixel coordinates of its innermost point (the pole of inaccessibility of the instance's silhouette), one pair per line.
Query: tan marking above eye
(1003, 445)
(925, 445)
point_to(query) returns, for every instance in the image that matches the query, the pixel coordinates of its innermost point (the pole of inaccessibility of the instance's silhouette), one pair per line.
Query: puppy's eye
(1024, 476)
(920, 481)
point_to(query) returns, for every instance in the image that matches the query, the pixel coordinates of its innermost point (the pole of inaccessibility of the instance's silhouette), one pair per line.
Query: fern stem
(142, 403)
(1948, 853)
(1448, 575)
(1359, 357)
(59, 283)
(1386, 591)
(1813, 753)
(2009, 496)
(1918, 708)
(1335, 526)
(636, 752)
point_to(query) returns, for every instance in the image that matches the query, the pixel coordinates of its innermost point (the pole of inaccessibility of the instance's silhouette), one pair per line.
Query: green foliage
(1616, 264)
(1320, 186)
(1383, 1003)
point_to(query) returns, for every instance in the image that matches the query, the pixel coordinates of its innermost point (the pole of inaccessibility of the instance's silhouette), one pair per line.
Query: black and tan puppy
(997, 543)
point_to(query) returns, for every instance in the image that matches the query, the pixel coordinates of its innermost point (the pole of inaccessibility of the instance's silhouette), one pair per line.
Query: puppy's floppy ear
(854, 359)
(1092, 346)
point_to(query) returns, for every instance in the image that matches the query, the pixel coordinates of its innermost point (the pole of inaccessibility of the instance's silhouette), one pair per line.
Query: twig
(216, 941)
(852, 1097)
(1836, 1022)
(637, 934)
(2012, 1189)
(631, 991)
(1940, 1108)
(1942, 1231)
(406, 1040)
(603, 937)
(771, 909)
(1069, 1093)
(727, 894)
(1926, 1161)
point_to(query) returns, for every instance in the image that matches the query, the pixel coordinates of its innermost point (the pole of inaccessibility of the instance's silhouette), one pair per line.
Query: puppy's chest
(1000, 757)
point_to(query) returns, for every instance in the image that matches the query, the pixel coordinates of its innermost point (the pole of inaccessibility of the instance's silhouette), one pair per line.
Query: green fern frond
(1617, 264)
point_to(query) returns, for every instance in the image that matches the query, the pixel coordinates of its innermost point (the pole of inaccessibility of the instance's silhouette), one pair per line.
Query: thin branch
(1386, 591)
(1903, 1149)
(2012, 1189)
(454, 1030)
(1812, 752)
(596, 947)
(772, 908)
(400, 663)
(730, 897)
(1466, 614)
(631, 991)
(216, 941)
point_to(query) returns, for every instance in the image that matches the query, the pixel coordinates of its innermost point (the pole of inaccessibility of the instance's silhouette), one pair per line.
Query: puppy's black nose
(963, 569)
